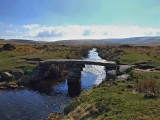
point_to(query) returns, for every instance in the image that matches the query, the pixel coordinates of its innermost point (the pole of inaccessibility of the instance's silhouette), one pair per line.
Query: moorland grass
(133, 54)
(123, 101)
(113, 102)
(13, 60)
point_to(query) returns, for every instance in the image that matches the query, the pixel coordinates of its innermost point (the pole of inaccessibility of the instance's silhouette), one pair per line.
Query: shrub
(9, 47)
(148, 86)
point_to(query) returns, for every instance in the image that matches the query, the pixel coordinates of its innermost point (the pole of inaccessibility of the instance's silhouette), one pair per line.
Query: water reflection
(97, 72)
(74, 88)
(50, 87)
(41, 87)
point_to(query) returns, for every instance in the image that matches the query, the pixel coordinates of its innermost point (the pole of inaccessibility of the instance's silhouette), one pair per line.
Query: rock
(111, 74)
(13, 86)
(2, 87)
(21, 86)
(145, 67)
(6, 76)
(158, 69)
(1, 80)
(113, 83)
(18, 74)
(117, 61)
(124, 69)
(123, 77)
(150, 95)
(49, 72)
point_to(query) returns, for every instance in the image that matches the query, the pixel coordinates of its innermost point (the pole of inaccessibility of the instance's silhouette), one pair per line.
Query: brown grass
(148, 86)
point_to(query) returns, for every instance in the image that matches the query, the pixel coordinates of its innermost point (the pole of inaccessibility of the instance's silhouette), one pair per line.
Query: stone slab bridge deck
(109, 64)
(75, 66)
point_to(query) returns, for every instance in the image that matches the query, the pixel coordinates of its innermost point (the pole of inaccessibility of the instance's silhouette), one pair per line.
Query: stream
(48, 96)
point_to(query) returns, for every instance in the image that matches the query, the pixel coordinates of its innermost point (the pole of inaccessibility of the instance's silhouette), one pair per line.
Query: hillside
(129, 41)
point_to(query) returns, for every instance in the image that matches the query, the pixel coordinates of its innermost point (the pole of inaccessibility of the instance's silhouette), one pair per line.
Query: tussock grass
(148, 86)
(132, 54)
(11, 60)
(108, 102)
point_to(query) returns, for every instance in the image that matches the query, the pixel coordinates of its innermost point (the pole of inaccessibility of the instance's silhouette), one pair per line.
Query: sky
(78, 19)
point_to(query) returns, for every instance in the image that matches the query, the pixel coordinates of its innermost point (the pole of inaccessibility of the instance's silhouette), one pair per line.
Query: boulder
(111, 74)
(113, 83)
(13, 86)
(124, 69)
(149, 95)
(18, 74)
(123, 77)
(1, 79)
(2, 87)
(6, 76)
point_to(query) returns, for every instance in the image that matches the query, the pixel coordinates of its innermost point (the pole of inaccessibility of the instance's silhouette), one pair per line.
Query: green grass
(121, 102)
(130, 58)
(134, 54)
(107, 102)
(11, 60)
(113, 103)
(146, 75)
(138, 54)
(103, 102)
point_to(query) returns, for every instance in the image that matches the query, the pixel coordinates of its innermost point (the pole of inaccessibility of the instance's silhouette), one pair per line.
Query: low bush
(148, 86)
(9, 47)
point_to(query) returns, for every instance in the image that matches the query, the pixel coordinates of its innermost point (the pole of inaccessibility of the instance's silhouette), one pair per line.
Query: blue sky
(78, 19)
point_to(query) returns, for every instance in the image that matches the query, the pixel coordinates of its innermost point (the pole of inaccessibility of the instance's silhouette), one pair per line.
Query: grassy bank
(138, 98)
(116, 102)
(132, 54)
(17, 58)
(17, 66)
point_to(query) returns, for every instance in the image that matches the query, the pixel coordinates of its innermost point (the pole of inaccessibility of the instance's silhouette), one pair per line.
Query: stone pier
(111, 72)
(74, 72)
(73, 80)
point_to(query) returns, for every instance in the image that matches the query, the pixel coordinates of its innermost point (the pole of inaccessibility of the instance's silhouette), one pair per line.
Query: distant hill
(128, 41)
(22, 41)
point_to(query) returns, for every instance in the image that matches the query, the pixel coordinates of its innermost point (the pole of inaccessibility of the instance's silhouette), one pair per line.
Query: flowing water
(48, 96)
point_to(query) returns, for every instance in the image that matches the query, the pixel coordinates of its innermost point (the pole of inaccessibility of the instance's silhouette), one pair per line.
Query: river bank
(16, 61)
(142, 57)
(41, 98)
(109, 101)
(129, 96)
(136, 97)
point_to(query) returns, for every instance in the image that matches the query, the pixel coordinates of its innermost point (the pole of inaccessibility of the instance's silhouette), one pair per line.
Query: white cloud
(31, 26)
(11, 32)
(88, 32)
